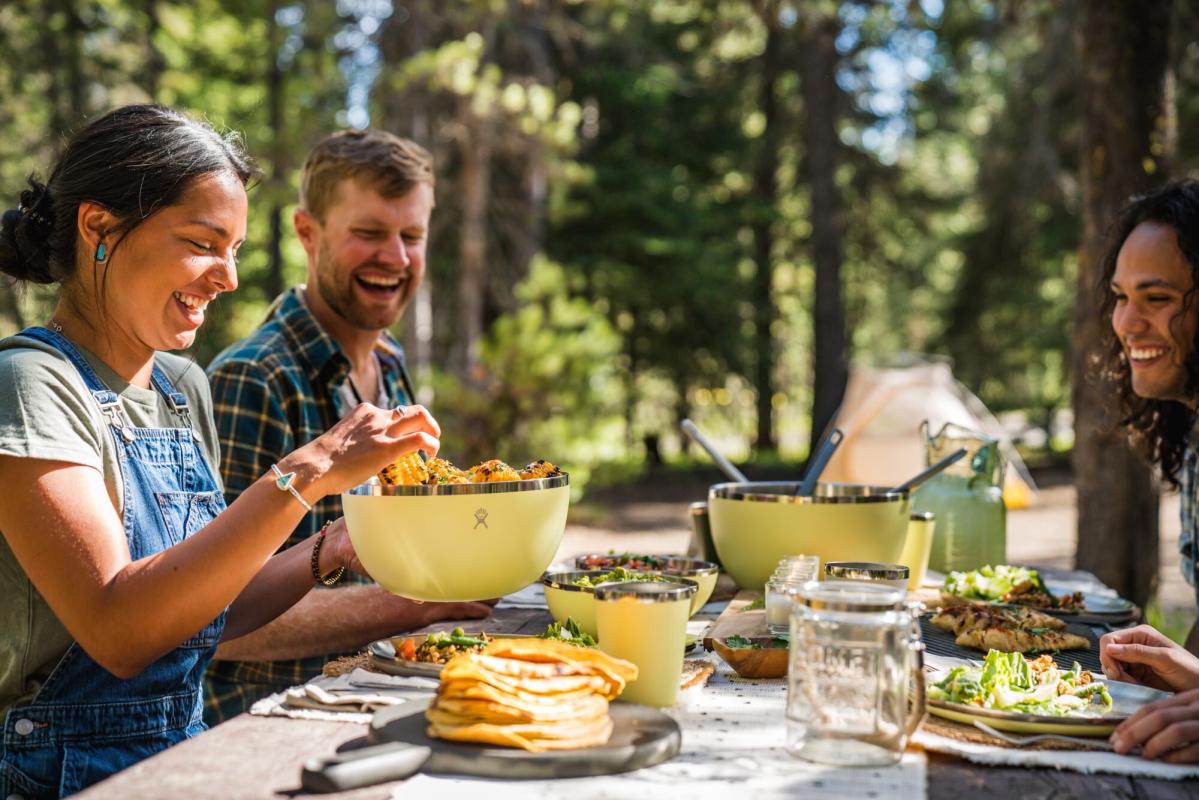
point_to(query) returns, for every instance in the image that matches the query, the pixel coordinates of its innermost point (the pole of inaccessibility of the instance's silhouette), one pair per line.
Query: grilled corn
(442, 471)
(539, 469)
(407, 470)
(492, 471)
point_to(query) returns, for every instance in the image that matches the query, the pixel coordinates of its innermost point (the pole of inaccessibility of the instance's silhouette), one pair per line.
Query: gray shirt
(46, 412)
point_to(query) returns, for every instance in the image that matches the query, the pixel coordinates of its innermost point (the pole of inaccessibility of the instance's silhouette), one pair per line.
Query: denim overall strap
(105, 398)
(85, 723)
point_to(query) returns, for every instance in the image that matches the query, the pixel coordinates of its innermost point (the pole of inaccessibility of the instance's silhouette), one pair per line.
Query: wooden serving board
(735, 621)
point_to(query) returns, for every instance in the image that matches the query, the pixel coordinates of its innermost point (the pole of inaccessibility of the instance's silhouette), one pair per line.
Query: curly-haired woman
(1149, 280)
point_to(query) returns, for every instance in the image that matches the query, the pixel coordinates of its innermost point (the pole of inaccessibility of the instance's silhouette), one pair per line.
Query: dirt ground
(653, 517)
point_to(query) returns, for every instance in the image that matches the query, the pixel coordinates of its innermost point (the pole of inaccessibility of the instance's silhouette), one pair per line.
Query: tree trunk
(765, 193)
(818, 79)
(273, 285)
(155, 63)
(475, 153)
(1123, 48)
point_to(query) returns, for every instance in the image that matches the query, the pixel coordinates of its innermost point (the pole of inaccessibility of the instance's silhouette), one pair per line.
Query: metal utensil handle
(725, 465)
(915, 481)
(1096, 743)
(364, 767)
(823, 453)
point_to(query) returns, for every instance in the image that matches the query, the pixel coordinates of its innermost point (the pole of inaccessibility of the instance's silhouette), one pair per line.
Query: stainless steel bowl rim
(866, 570)
(648, 592)
(562, 579)
(691, 566)
(375, 488)
(839, 493)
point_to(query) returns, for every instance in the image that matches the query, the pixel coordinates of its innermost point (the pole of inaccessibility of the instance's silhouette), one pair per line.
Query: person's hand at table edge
(1145, 656)
(1167, 729)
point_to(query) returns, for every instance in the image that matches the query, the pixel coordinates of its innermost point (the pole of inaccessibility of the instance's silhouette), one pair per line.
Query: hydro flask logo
(481, 518)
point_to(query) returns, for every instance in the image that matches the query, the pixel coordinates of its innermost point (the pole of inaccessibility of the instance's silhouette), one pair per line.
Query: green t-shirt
(47, 412)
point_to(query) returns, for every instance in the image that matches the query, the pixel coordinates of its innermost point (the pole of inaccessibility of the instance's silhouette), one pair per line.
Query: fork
(1098, 744)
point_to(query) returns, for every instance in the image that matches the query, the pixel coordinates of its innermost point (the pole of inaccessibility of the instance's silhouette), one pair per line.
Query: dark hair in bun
(134, 161)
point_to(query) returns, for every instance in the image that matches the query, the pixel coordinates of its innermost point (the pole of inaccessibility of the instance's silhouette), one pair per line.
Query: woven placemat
(347, 664)
(968, 733)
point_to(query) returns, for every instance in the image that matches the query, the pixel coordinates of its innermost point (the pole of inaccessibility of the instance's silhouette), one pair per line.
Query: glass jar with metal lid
(646, 623)
(855, 683)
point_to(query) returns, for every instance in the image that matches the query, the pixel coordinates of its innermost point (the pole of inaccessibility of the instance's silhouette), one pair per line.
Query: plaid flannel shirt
(273, 392)
(1188, 506)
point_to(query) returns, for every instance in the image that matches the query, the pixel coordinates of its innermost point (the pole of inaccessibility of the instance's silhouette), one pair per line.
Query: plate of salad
(1013, 693)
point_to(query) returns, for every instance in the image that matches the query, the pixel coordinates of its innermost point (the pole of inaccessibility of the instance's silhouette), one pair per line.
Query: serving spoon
(819, 461)
(725, 465)
(919, 478)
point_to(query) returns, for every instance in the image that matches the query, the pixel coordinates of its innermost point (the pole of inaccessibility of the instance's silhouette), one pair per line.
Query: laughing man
(366, 198)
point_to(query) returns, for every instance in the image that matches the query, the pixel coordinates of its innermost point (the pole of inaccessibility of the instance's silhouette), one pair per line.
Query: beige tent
(881, 416)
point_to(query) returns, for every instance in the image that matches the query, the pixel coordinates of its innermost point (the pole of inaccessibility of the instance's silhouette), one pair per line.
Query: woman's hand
(359, 446)
(1146, 656)
(1167, 728)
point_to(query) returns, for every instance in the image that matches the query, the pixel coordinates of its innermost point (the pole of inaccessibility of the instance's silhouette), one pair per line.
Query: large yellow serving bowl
(755, 524)
(457, 542)
(578, 602)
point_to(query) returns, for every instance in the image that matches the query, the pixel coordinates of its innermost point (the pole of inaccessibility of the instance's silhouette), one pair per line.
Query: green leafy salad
(618, 575)
(991, 583)
(569, 632)
(1010, 682)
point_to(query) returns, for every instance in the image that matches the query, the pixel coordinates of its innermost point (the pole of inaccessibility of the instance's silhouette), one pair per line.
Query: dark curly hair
(134, 161)
(1158, 427)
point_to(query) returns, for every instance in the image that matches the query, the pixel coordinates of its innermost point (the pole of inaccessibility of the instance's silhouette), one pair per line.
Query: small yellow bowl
(565, 599)
(704, 573)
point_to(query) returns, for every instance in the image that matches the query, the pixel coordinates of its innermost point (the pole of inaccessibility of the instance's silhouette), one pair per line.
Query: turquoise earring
(101, 252)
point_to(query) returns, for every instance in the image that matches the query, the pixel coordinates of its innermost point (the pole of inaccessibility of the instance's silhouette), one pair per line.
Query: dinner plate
(1095, 603)
(1126, 699)
(384, 657)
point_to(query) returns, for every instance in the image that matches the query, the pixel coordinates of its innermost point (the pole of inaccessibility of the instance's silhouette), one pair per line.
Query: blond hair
(392, 166)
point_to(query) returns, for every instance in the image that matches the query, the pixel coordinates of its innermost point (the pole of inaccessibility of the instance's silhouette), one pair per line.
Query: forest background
(653, 209)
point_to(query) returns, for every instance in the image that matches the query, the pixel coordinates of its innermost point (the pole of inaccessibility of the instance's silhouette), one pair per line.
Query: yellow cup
(646, 623)
(917, 546)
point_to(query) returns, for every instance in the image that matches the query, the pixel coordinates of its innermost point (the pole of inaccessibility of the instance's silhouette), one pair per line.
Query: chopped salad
(618, 575)
(627, 560)
(1010, 682)
(439, 648)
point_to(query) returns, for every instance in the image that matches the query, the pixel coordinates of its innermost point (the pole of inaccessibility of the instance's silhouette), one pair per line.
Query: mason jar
(855, 683)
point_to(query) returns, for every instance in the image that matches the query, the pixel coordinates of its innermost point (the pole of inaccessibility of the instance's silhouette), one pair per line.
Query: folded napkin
(1085, 761)
(345, 698)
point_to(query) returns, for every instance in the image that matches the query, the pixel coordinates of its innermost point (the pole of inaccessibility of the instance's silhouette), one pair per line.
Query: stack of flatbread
(536, 694)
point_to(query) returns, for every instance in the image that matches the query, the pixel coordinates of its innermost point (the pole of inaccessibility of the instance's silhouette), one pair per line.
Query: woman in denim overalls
(140, 222)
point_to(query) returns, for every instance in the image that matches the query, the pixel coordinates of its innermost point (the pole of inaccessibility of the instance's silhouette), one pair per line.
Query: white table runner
(733, 735)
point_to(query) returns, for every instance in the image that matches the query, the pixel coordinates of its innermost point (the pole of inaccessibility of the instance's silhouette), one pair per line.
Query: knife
(366, 766)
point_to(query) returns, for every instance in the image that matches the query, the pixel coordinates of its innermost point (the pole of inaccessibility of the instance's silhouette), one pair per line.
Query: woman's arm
(285, 579)
(61, 525)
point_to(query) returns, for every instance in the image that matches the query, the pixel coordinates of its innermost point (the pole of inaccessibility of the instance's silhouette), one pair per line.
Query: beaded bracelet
(332, 577)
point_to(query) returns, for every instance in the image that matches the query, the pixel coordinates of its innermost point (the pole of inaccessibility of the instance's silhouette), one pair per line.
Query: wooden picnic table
(261, 757)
